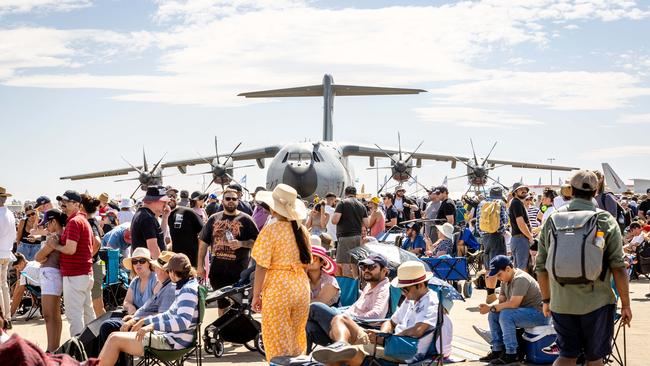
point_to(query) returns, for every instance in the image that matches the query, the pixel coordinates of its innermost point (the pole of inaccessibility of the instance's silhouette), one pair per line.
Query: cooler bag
(537, 338)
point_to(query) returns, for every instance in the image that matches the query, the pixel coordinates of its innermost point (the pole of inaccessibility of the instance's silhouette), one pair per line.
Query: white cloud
(26, 6)
(475, 117)
(193, 11)
(634, 119)
(627, 151)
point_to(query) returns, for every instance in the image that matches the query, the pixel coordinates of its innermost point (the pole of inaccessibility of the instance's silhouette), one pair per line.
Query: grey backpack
(575, 256)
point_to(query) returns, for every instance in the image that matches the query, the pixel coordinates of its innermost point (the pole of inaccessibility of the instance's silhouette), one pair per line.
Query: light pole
(551, 160)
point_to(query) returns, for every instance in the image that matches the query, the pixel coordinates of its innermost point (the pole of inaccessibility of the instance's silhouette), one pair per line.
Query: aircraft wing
(373, 151)
(260, 153)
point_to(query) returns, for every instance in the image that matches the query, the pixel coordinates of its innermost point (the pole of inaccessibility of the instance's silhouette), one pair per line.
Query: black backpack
(74, 348)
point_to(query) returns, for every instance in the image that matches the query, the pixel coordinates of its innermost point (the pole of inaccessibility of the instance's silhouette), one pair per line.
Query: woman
(322, 283)
(317, 219)
(89, 205)
(547, 208)
(172, 330)
(281, 289)
(376, 219)
(50, 278)
(445, 243)
(141, 287)
(28, 245)
(197, 201)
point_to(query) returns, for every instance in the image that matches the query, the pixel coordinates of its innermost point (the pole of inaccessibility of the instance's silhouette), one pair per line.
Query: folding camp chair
(349, 290)
(153, 356)
(115, 282)
(619, 354)
(453, 270)
(34, 293)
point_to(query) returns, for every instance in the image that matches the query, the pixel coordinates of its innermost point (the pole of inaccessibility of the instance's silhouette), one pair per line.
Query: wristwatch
(546, 301)
(493, 309)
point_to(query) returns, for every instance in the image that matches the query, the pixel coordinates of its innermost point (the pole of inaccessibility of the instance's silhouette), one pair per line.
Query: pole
(551, 160)
(377, 171)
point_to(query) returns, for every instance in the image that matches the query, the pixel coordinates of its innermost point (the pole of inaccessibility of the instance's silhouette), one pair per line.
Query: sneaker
(493, 355)
(506, 359)
(335, 352)
(483, 333)
(553, 349)
(490, 299)
(8, 324)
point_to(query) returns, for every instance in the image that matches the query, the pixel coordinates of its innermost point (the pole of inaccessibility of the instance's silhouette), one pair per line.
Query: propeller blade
(235, 180)
(126, 179)
(385, 153)
(216, 149)
(495, 167)
(490, 153)
(202, 158)
(131, 165)
(458, 177)
(414, 151)
(399, 145)
(134, 192)
(144, 159)
(462, 161)
(380, 167)
(243, 166)
(233, 151)
(416, 181)
(383, 186)
(473, 151)
(193, 174)
(158, 163)
(497, 182)
(206, 188)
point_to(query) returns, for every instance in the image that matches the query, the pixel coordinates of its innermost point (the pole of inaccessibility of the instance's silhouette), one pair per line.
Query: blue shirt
(419, 242)
(115, 238)
(469, 239)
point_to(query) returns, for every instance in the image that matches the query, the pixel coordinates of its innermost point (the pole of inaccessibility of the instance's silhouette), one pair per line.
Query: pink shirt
(373, 302)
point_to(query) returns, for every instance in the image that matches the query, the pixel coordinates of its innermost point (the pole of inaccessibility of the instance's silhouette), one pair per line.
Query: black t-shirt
(241, 226)
(184, 228)
(352, 214)
(517, 209)
(144, 225)
(447, 208)
(94, 225)
(391, 213)
(645, 207)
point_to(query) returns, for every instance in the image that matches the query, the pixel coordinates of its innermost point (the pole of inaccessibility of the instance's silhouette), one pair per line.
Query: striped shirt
(80, 263)
(178, 323)
(532, 216)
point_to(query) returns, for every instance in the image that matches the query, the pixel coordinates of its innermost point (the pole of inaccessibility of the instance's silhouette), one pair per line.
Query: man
(644, 207)
(415, 318)
(212, 206)
(430, 213)
(327, 324)
(414, 241)
(75, 262)
(351, 219)
(520, 306)
(118, 238)
(583, 313)
(43, 203)
(447, 210)
(493, 239)
(7, 239)
(390, 211)
(185, 198)
(522, 237)
(330, 205)
(146, 232)
(230, 234)
(184, 228)
(29, 272)
(242, 205)
(405, 207)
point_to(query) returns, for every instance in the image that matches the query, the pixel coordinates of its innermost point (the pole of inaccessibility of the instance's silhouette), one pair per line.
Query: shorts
(345, 244)
(520, 247)
(98, 279)
(51, 281)
(158, 341)
(493, 245)
(29, 250)
(590, 333)
(224, 273)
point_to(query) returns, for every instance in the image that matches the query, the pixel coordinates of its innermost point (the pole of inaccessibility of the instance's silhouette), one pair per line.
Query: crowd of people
(171, 241)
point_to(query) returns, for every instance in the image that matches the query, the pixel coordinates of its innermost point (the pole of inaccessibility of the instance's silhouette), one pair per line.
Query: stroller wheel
(467, 289)
(207, 347)
(259, 344)
(250, 345)
(218, 348)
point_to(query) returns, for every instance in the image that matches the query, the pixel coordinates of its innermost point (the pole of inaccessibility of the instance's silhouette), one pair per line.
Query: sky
(84, 83)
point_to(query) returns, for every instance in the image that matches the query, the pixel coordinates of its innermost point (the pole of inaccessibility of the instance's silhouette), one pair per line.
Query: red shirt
(80, 263)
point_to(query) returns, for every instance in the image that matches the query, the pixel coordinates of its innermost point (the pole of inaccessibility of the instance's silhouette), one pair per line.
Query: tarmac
(466, 343)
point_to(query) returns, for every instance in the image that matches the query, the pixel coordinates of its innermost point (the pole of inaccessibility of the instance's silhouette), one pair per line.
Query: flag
(243, 180)
(540, 181)
(444, 182)
(413, 181)
(559, 181)
(385, 178)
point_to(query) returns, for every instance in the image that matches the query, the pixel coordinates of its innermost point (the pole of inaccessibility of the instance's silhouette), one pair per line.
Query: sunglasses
(139, 261)
(31, 214)
(367, 267)
(230, 199)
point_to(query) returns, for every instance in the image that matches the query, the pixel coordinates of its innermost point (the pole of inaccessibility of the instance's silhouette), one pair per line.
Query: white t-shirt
(31, 274)
(638, 239)
(7, 232)
(125, 216)
(547, 213)
(411, 313)
(559, 202)
(331, 228)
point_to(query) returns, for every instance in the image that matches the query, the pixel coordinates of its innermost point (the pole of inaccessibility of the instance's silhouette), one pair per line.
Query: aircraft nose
(302, 177)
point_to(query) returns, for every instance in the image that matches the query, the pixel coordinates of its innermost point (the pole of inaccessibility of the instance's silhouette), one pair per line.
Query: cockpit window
(286, 156)
(299, 156)
(316, 156)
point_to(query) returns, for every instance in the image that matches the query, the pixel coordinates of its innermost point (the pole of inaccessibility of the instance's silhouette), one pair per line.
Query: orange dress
(285, 292)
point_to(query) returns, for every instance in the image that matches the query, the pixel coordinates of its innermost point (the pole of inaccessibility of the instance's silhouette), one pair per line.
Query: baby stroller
(236, 325)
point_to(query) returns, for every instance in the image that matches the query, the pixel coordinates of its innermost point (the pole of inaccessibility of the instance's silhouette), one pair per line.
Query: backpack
(620, 217)
(74, 348)
(490, 220)
(575, 253)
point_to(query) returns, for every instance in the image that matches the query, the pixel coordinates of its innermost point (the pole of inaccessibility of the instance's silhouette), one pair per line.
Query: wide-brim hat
(137, 253)
(126, 203)
(329, 266)
(519, 185)
(3, 192)
(162, 260)
(284, 200)
(446, 229)
(411, 273)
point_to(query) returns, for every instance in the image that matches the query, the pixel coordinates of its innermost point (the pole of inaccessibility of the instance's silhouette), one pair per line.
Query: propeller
(220, 169)
(145, 176)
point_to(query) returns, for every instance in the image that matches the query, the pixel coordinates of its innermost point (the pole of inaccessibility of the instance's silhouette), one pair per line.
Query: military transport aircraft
(315, 168)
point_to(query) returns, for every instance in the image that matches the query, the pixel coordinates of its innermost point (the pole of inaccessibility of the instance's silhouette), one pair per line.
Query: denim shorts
(590, 333)
(29, 250)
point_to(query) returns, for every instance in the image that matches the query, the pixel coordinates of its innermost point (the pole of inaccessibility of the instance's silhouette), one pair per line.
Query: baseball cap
(584, 180)
(197, 196)
(54, 214)
(499, 263)
(171, 189)
(69, 195)
(496, 192)
(156, 193)
(413, 225)
(212, 196)
(236, 187)
(375, 258)
(40, 201)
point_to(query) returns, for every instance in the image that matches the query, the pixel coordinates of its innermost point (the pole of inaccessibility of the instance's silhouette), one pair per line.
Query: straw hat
(163, 259)
(446, 229)
(411, 273)
(329, 266)
(284, 200)
(137, 253)
(3, 192)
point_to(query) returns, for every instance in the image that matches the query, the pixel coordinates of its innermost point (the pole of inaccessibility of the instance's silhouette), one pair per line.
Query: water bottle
(599, 241)
(229, 236)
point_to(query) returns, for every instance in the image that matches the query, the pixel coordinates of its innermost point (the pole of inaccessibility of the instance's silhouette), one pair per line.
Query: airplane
(616, 185)
(222, 172)
(316, 168)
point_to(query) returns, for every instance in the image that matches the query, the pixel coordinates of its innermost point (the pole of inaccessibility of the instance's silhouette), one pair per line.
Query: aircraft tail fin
(613, 181)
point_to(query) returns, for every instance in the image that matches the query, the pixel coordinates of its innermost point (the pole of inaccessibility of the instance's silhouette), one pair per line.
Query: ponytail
(304, 246)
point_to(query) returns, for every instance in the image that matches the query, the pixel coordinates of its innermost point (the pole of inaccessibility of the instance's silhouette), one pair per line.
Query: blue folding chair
(349, 291)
